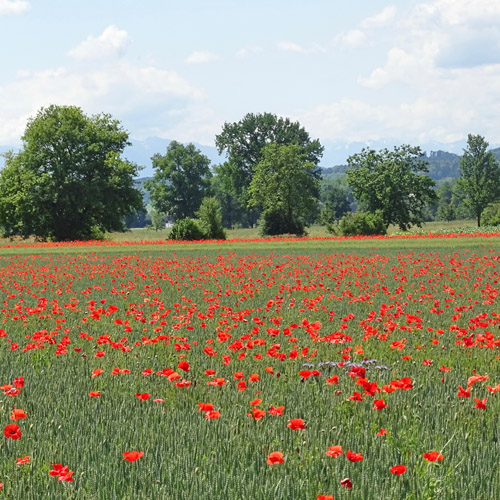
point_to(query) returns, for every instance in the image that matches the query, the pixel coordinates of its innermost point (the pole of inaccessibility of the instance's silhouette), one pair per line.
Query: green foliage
(285, 187)
(139, 218)
(479, 183)
(210, 218)
(360, 223)
(181, 180)
(446, 212)
(336, 200)
(491, 215)
(187, 229)
(157, 220)
(244, 142)
(68, 182)
(392, 182)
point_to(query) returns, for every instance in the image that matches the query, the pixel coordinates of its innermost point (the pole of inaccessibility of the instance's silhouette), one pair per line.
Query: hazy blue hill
(441, 165)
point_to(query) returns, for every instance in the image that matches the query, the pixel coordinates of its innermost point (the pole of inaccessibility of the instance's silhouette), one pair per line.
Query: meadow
(272, 369)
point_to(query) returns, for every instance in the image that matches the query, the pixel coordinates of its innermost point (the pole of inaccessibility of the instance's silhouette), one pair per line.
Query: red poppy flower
(463, 393)
(61, 472)
(184, 365)
(97, 372)
(398, 470)
(255, 402)
(257, 414)
(276, 411)
(17, 414)
(132, 456)
(354, 457)
(480, 405)
(379, 404)
(212, 415)
(12, 431)
(276, 457)
(324, 497)
(382, 432)
(19, 382)
(143, 397)
(24, 460)
(346, 483)
(296, 423)
(94, 394)
(356, 396)
(334, 451)
(334, 379)
(433, 456)
(205, 407)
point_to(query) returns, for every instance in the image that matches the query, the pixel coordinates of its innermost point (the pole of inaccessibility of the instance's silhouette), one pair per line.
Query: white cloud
(352, 38)
(143, 94)
(201, 57)
(14, 7)
(381, 19)
(110, 43)
(246, 51)
(438, 81)
(299, 49)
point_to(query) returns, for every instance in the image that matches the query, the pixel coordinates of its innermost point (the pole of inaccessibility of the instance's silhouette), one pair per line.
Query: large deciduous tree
(181, 180)
(68, 181)
(244, 141)
(393, 182)
(285, 187)
(479, 181)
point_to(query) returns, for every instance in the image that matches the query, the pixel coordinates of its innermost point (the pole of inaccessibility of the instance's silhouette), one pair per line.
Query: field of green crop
(348, 369)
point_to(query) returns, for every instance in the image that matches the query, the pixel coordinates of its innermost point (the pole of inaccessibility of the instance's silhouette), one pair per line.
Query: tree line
(70, 181)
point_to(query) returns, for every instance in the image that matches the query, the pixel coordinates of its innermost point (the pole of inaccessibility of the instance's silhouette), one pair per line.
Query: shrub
(361, 223)
(491, 215)
(273, 222)
(210, 218)
(187, 230)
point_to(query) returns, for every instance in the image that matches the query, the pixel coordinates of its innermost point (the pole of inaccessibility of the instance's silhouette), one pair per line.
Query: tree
(244, 141)
(210, 217)
(336, 203)
(181, 180)
(479, 181)
(68, 182)
(285, 187)
(392, 182)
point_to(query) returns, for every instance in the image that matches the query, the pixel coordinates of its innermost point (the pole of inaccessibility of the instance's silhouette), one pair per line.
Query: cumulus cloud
(111, 42)
(438, 81)
(201, 57)
(383, 18)
(143, 94)
(299, 49)
(14, 7)
(352, 38)
(246, 51)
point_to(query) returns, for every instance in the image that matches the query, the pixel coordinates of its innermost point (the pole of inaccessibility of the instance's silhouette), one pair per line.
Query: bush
(273, 222)
(210, 218)
(491, 215)
(361, 223)
(187, 230)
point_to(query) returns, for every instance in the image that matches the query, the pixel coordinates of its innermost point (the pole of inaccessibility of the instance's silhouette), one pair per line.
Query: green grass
(218, 290)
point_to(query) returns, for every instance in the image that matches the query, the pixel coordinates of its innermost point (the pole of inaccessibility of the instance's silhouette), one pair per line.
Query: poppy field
(251, 373)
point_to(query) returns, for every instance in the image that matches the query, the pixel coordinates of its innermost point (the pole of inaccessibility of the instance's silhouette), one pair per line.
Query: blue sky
(362, 71)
